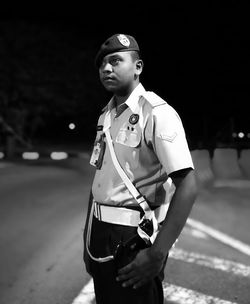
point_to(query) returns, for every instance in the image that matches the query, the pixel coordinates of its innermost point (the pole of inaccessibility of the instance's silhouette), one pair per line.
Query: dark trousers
(104, 240)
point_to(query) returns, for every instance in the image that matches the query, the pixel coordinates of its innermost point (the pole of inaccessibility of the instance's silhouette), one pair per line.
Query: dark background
(196, 56)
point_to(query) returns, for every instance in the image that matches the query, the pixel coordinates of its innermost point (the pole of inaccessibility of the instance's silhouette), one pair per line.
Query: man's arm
(149, 262)
(178, 212)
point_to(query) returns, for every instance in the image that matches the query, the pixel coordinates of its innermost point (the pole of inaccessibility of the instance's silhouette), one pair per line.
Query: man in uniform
(150, 145)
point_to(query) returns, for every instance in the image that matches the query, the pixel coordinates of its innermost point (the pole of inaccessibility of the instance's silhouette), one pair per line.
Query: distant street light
(241, 134)
(58, 155)
(72, 126)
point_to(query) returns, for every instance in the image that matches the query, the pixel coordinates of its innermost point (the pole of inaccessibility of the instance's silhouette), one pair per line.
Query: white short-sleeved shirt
(150, 143)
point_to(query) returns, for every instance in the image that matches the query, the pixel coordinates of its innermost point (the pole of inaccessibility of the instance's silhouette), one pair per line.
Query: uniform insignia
(123, 40)
(133, 119)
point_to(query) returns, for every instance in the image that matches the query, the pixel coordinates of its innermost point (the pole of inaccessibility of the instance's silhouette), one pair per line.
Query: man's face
(117, 71)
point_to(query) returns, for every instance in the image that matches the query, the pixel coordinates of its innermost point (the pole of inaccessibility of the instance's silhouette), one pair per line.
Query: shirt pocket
(129, 137)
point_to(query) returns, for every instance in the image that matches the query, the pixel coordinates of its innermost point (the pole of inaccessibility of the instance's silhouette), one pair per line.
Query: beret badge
(123, 40)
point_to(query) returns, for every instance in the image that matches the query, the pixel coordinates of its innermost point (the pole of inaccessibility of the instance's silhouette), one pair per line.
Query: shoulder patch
(153, 99)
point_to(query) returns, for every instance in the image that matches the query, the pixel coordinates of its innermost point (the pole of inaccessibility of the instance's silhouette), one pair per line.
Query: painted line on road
(87, 294)
(180, 295)
(210, 262)
(173, 293)
(198, 234)
(222, 237)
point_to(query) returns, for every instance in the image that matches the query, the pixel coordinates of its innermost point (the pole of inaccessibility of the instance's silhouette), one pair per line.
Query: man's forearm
(179, 210)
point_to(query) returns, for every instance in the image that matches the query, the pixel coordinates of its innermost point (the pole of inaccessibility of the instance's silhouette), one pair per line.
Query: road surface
(42, 212)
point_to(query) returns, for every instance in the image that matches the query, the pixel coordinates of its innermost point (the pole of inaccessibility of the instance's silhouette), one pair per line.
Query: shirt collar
(132, 100)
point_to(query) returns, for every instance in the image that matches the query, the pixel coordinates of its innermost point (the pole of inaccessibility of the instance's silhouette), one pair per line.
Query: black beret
(116, 43)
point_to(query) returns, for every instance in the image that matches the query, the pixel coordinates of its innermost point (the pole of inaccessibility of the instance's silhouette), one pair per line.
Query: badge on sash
(98, 153)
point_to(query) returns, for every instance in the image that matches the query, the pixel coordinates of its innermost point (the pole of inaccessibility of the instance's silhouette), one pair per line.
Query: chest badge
(133, 119)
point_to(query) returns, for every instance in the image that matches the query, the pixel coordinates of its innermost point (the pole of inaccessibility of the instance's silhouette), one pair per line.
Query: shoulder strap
(153, 99)
(149, 214)
(132, 189)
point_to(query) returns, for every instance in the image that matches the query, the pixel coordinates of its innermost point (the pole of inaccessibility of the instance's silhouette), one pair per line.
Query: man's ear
(139, 64)
(139, 67)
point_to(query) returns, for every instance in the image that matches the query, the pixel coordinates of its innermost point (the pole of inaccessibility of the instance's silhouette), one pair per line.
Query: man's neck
(120, 98)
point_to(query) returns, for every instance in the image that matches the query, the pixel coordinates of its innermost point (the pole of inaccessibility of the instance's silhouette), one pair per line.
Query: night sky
(196, 56)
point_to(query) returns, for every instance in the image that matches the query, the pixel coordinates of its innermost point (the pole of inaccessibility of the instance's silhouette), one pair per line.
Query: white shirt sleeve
(169, 139)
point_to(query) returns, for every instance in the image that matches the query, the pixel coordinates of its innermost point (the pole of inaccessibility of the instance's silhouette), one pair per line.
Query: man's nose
(106, 67)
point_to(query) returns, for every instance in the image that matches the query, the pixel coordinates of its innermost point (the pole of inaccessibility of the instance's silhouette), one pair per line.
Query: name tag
(98, 153)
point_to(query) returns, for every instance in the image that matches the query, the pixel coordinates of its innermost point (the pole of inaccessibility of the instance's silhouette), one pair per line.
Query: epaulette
(153, 99)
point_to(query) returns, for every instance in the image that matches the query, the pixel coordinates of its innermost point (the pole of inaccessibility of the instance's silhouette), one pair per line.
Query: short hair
(135, 55)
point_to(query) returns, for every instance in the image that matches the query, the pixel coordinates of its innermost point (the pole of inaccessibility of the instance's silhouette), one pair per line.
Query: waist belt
(124, 216)
(116, 215)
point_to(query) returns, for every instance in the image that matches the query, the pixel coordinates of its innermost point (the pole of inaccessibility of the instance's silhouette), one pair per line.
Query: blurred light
(72, 126)
(241, 134)
(234, 135)
(248, 135)
(30, 155)
(58, 155)
(1, 155)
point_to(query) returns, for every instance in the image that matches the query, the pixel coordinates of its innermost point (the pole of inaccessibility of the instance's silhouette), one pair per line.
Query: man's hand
(142, 269)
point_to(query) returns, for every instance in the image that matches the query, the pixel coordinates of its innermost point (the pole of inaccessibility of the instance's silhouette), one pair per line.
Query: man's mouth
(108, 78)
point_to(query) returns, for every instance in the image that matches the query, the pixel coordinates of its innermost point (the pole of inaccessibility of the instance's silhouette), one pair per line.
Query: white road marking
(198, 234)
(210, 262)
(177, 294)
(195, 233)
(180, 295)
(87, 295)
(173, 293)
(222, 237)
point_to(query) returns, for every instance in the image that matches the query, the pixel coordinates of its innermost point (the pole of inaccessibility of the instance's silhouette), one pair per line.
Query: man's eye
(115, 61)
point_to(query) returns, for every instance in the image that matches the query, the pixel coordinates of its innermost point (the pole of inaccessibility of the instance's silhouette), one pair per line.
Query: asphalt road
(42, 213)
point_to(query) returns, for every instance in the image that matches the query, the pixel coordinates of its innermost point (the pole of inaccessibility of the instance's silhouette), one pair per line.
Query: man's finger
(131, 282)
(126, 276)
(126, 269)
(139, 284)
